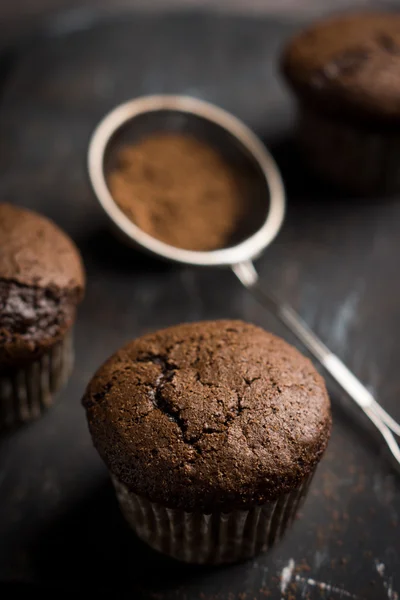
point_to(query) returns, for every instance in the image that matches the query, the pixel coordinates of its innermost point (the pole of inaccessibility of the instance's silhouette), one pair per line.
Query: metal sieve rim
(247, 249)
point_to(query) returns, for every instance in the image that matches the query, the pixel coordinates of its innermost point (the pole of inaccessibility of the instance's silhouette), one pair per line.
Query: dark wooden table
(336, 261)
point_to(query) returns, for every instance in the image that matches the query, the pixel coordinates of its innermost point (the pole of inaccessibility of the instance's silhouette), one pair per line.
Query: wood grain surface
(336, 260)
(23, 15)
(14, 10)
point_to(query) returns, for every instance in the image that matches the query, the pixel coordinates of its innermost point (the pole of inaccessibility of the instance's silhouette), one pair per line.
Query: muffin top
(349, 65)
(210, 414)
(41, 282)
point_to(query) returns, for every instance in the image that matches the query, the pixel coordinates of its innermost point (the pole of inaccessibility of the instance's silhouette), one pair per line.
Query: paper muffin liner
(214, 538)
(365, 162)
(25, 392)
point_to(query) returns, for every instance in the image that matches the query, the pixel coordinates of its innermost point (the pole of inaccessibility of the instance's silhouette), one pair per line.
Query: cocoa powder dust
(179, 190)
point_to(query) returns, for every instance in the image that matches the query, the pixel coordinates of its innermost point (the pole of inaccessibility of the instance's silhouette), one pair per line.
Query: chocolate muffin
(211, 432)
(345, 72)
(41, 283)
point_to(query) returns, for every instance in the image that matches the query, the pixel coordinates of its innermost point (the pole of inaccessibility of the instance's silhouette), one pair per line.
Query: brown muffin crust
(349, 66)
(209, 415)
(41, 283)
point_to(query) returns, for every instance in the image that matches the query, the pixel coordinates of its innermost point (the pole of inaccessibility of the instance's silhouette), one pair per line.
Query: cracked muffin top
(41, 283)
(210, 414)
(349, 65)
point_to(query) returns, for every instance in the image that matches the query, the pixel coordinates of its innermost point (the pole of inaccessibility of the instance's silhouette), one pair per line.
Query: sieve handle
(386, 425)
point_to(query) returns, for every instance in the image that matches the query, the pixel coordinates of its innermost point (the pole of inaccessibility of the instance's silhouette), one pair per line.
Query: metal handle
(248, 276)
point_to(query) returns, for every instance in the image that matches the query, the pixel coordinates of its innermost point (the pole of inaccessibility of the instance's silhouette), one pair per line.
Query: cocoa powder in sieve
(179, 190)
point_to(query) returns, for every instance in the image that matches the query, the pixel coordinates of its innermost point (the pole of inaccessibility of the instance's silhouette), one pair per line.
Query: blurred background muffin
(41, 284)
(345, 73)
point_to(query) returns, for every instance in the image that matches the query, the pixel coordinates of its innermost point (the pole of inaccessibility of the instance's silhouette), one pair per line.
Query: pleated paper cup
(27, 391)
(214, 538)
(362, 161)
